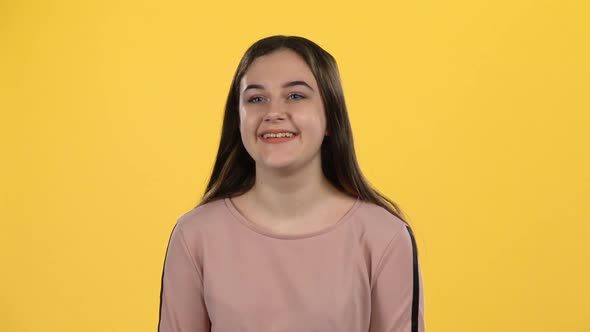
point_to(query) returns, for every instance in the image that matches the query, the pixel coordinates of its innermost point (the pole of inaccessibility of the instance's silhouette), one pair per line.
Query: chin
(283, 163)
(277, 165)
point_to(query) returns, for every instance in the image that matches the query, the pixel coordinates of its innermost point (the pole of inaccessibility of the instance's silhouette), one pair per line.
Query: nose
(276, 111)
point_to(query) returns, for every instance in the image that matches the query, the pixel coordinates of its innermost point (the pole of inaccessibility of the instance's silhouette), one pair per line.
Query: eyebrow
(286, 85)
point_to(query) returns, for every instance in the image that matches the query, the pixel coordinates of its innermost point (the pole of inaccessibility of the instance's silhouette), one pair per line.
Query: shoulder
(202, 217)
(383, 235)
(378, 220)
(377, 229)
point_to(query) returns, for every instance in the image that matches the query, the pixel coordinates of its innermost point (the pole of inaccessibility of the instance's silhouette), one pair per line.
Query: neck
(285, 195)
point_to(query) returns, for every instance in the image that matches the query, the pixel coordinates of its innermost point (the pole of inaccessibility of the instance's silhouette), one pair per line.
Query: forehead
(276, 68)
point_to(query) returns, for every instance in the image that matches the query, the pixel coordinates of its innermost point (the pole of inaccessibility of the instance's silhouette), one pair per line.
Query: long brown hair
(234, 172)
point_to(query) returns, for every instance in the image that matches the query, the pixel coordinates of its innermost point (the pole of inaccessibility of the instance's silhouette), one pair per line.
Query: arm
(397, 299)
(182, 307)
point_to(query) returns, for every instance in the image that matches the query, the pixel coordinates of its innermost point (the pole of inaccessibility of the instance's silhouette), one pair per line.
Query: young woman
(289, 236)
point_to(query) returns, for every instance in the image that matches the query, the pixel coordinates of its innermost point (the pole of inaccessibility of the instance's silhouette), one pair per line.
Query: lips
(278, 140)
(277, 130)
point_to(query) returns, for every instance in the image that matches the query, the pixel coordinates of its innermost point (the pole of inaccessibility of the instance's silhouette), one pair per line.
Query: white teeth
(278, 135)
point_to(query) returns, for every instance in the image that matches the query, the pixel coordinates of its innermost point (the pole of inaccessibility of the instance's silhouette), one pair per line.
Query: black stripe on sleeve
(416, 291)
(162, 282)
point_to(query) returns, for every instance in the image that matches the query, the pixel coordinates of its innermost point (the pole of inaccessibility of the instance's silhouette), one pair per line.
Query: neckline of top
(267, 232)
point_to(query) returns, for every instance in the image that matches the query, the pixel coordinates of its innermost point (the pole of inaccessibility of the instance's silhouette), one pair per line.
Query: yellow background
(472, 115)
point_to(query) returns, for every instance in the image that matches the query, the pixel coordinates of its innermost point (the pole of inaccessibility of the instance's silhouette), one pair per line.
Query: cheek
(320, 120)
(243, 120)
(315, 125)
(248, 126)
(247, 134)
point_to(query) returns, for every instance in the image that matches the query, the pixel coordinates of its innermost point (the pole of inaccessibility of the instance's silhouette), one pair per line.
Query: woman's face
(279, 93)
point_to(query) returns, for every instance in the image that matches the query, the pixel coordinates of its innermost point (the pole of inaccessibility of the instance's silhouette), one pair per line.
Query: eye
(255, 99)
(295, 96)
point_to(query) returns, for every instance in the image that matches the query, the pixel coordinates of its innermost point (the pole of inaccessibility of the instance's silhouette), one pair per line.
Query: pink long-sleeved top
(224, 273)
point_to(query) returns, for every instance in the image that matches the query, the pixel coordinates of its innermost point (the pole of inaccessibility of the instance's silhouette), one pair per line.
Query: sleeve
(397, 299)
(182, 307)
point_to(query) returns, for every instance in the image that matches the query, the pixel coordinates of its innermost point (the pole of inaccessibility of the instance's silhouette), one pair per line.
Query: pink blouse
(224, 273)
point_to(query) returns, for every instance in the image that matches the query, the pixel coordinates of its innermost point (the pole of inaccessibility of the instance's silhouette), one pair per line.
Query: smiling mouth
(276, 140)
